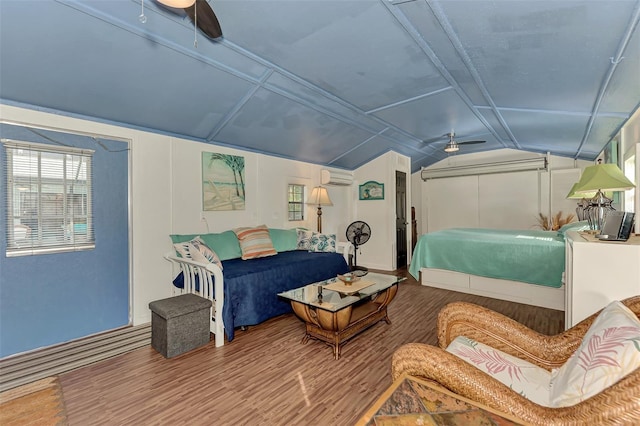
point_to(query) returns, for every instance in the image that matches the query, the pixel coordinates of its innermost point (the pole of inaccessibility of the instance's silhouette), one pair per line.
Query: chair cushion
(521, 376)
(255, 242)
(609, 351)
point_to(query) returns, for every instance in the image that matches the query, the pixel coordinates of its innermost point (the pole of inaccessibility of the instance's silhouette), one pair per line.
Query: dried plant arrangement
(554, 222)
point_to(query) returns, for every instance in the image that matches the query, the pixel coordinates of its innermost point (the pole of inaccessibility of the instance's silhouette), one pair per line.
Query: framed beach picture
(222, 182)
(371, 190)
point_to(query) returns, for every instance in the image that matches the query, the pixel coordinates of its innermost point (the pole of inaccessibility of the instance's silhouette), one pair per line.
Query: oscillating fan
(358, 233)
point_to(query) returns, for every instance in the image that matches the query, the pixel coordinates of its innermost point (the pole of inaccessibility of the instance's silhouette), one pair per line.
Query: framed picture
(222, 182)
(371, 190)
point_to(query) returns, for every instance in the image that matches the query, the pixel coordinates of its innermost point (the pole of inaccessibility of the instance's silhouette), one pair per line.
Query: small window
(48, 198)
(295, 200)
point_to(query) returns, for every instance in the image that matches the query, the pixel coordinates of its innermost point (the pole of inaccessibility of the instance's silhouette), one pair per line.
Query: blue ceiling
(336, 83)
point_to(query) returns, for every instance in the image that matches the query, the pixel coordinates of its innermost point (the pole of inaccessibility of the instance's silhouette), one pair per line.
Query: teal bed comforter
(530, 256)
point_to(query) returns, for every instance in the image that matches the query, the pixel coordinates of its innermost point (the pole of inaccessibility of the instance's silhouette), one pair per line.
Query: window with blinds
(48, 198)
(295, 202)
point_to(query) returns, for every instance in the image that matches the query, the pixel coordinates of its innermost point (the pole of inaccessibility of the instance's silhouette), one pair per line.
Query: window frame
(60, 195)
(298, 206)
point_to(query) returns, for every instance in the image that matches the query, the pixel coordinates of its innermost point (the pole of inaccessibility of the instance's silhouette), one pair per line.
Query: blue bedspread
(251, 286)
(530, 256)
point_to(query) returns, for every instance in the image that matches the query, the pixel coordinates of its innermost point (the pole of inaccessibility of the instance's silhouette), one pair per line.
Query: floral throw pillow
(304, 239)
(316, 241)
(609, 351)
(527, 379)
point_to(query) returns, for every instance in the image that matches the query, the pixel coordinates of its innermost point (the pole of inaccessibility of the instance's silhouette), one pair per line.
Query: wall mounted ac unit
(336, 177)
(537, 163)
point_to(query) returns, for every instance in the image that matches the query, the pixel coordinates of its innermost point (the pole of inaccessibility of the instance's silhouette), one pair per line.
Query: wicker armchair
(618, 404)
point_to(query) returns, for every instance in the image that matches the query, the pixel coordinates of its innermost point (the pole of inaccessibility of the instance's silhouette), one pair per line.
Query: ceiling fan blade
(207, 20)
(469, 142)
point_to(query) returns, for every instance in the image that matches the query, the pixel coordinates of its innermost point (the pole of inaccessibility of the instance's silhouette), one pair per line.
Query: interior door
(401, 219)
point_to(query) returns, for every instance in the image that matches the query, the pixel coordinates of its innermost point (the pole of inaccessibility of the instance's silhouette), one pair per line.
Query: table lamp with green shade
(599, 178)
(583, 204)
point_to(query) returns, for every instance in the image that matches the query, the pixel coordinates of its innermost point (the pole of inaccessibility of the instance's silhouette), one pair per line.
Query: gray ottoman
(179, 324)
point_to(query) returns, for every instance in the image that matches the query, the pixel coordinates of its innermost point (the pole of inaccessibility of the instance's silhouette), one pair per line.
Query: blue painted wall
(53, 298)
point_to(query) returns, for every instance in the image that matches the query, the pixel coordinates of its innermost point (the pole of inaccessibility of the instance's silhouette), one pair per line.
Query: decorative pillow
(197, 250)
(609, 351)
(284, 239)
(325, 243)
(255, 242)
(304, 239)
(315, 241)
(527, 379)
(225, 244)
(200, 252)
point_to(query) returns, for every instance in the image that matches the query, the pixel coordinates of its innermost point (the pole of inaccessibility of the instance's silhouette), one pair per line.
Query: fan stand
(354, 267)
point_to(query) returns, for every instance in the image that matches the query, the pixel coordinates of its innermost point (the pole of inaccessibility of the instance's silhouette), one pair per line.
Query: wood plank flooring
(266, 376)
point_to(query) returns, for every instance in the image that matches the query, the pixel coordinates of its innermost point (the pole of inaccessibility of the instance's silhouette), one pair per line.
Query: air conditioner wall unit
(336, 177)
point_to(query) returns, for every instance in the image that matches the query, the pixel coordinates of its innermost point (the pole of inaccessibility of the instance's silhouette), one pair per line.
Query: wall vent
(30, 366)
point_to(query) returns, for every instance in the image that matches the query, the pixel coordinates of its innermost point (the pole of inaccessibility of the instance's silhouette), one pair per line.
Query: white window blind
(49, 198)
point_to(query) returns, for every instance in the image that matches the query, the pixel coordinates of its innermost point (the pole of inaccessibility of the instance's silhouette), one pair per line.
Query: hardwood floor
(266, 376)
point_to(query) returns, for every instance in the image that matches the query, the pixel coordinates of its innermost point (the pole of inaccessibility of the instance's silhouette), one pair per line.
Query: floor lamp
(320, 197)
(601, 177)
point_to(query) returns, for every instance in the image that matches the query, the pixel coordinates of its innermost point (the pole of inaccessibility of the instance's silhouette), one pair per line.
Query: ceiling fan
(200, 13)
(453, 145)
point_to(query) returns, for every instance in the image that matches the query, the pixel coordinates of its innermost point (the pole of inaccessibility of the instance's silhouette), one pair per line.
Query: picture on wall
(222, 182)
(371, 190)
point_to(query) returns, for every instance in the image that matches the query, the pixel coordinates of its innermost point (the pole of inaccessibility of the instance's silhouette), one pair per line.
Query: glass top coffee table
(334, 312)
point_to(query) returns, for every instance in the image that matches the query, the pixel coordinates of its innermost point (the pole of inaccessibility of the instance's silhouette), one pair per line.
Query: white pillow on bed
(198, 251)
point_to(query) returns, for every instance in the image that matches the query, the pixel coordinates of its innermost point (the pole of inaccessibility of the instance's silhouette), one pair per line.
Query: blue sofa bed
(250, 287)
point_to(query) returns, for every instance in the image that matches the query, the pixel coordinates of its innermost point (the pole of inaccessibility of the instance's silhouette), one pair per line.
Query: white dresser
(598, 272)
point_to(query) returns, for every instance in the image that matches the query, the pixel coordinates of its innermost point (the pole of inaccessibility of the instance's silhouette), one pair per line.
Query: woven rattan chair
(618, 404)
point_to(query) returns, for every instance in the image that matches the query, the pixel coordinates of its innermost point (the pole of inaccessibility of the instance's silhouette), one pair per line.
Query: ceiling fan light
(451, 147)
(180, 4)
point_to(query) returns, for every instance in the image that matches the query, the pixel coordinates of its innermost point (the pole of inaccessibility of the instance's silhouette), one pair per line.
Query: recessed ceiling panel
(492, 118)
(621, 95)
(542, 132)
(353, 49)
(118, 78)
(271, 123)
(279, 82)
(363, 153)
(433, 116)
(603, 130)
(543, 54)
(421, 16)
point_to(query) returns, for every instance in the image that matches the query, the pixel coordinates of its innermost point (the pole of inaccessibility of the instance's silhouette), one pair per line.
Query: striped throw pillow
(255, 242)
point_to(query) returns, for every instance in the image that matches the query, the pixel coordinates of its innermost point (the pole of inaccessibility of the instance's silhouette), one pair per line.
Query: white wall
(380, 251)
(502, 201)
(166, 197)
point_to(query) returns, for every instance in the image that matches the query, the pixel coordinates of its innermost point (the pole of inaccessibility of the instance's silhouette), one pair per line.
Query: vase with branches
(554, 222)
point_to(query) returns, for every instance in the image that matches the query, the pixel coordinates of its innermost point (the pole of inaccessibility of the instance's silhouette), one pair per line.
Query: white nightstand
(598, 272)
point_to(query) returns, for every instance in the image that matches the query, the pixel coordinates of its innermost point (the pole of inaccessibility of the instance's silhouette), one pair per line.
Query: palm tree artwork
(222, 182)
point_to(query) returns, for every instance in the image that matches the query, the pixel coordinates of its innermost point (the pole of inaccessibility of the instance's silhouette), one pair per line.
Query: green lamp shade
(575, 196)
(606, 177)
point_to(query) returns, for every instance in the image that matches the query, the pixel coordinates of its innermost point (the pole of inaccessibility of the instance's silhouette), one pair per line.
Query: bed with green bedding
(529, 256)
(524, 266)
